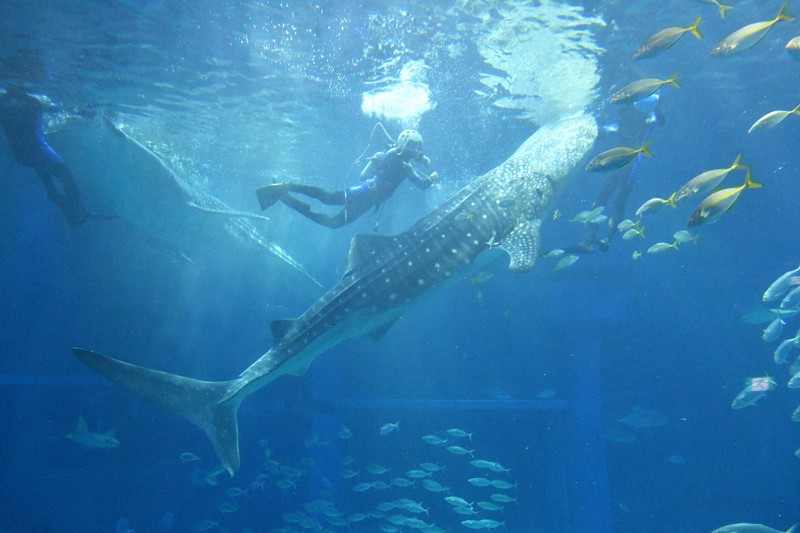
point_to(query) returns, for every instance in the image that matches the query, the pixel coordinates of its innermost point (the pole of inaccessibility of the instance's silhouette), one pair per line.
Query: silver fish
(780, 285)
(753, 391)
(708, 180)
(665, 39)
(793, 48)
(654, 205)
(661, 247)
(460, 433)
(566, 261)
(791, 300)
(772, 118)
(783, 350)
(642, 89)
(773, 330)
(750, 35)
(617, 157)
(458, 450)
(750, 528)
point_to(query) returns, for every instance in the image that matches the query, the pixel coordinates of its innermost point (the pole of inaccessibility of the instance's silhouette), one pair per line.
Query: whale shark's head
(553, 151)
(526, 184)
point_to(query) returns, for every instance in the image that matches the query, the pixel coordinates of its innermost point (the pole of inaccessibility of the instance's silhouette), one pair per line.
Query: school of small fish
(446, 487)
(783, 295)
(717, 201)
(783, 298)
(452, 486)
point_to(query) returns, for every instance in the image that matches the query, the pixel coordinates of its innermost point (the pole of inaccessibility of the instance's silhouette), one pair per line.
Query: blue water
(232, 95)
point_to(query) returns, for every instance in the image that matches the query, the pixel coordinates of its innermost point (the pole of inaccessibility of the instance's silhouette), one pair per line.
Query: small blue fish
(388, 428)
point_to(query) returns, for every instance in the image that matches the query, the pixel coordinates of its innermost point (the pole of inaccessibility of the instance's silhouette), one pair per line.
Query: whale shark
(501, 210)
(128, 180)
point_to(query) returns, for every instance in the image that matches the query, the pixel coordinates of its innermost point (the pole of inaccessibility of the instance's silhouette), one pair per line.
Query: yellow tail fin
(672, 80)
(694, 30)
(644, 149)
(782, 13)
(748, 181)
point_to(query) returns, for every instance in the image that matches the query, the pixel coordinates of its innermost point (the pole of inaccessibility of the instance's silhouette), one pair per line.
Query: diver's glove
(434, 176)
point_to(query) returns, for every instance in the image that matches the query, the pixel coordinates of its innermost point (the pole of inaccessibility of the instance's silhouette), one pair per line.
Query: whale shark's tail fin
(206, 404)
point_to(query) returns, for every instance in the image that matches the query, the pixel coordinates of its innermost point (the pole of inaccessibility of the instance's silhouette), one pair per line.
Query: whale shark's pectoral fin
(522, 245)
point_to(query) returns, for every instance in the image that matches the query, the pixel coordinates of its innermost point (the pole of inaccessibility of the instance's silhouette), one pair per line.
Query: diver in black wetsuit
(381, 177)
(21, 118)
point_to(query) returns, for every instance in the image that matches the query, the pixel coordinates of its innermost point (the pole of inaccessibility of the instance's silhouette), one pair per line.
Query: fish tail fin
(782, 13)
(723, 8)
(207, 404)
(749, 182)
(737, 162)
(671, 199)
(673, 80)
(796, 110)
(694, 30)
(645, 149)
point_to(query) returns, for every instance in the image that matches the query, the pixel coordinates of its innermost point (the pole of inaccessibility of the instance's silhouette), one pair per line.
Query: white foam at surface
(403, 101)
(546, 52)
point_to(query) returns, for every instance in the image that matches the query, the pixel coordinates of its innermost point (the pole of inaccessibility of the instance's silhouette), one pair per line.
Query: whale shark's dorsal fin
(368, 248)
(522, 245)
(280, 327)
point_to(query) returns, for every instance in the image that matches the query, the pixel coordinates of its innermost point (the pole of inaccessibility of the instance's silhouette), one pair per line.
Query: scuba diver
(21, 118)
(380, 178)
(619, 185)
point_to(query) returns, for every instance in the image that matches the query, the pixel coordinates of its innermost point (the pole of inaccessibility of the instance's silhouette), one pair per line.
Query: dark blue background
(607, 334)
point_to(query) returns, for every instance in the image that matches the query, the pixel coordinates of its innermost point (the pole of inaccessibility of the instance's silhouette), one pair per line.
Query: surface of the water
(539, 367)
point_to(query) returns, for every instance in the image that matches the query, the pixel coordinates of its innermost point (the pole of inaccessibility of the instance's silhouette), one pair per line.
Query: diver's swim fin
(270, 194)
